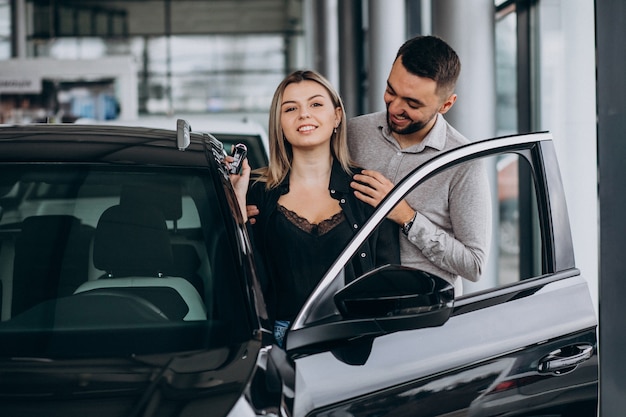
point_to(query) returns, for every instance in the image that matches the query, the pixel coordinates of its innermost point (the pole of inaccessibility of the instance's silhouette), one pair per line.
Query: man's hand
(252, 211)
(372, 186)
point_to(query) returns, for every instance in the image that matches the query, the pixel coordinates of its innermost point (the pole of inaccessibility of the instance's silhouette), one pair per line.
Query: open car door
(398, 341)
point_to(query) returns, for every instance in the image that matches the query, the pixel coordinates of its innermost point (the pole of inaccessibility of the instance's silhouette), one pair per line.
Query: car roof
(214, 124)
(98, 144)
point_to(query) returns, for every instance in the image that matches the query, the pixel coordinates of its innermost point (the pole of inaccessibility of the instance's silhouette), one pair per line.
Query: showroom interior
(528, 65)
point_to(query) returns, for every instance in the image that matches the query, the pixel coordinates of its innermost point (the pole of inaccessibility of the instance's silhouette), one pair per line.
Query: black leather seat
(132, 245)
(166, 196)
(132, 239)
(51, 259)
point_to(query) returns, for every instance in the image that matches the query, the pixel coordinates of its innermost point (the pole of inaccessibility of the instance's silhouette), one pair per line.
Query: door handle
(564, 360)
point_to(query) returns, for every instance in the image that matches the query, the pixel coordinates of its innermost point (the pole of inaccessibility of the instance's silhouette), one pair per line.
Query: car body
(130, 287)
(229, 130)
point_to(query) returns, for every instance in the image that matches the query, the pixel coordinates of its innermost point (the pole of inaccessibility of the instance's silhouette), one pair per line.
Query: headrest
(132, 240)
(165, 195)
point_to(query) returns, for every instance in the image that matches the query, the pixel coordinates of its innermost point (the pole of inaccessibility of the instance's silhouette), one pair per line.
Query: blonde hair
(280, 150)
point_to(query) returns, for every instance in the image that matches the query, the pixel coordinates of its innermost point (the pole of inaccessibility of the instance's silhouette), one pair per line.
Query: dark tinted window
(100, 261)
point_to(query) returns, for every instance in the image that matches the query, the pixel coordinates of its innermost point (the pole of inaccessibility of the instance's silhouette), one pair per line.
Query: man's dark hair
(431, 57)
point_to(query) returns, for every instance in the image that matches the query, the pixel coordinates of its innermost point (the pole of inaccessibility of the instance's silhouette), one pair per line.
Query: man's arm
(463, 249)
(252, 212)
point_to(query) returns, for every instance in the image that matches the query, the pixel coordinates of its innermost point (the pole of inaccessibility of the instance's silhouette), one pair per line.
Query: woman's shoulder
(356, 169)
(260, 194)
(257, 187)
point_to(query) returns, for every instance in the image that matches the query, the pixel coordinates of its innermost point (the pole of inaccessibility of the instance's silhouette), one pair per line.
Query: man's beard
(411, 128)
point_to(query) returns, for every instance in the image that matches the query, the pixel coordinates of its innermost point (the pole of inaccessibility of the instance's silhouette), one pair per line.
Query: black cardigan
(381, 248)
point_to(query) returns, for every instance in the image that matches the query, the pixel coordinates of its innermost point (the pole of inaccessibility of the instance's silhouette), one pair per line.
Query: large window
(94, 251)
(191, 74)
(517, 111)
(211, 73)
(506, 71)
(5, 29)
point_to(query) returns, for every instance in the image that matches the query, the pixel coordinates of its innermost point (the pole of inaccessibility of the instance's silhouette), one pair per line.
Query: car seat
(166, 195)
(51, 259)
(132, 245)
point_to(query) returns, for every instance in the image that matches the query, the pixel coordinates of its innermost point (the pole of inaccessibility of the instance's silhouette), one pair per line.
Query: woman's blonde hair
(281, 154)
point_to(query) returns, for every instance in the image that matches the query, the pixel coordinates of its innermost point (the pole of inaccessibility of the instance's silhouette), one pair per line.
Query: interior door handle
(565, 360)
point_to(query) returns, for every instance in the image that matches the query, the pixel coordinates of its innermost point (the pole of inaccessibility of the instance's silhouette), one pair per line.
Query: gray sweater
(452, 230)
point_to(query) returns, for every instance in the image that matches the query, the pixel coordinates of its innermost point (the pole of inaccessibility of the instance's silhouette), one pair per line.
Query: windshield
(102, 261)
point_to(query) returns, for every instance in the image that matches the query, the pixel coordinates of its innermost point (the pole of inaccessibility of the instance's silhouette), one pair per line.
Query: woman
(307, 212)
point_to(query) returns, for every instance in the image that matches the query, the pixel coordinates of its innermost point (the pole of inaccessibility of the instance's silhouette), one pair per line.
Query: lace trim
(318, 229)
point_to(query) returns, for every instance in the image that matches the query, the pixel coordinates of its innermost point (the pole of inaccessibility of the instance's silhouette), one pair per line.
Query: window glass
(209, 73)
(5, 29)
(514, 250)
(85, 252)
(455, 245)
(507, 169)
(506, 72)
(190, 74)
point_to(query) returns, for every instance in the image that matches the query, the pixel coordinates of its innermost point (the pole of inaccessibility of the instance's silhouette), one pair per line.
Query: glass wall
(208, 73)
(5, 29)
(190, 74)
(506, 71)
(506, 124)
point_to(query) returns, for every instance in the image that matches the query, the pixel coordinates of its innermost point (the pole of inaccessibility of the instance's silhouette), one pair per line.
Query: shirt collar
(339, 179)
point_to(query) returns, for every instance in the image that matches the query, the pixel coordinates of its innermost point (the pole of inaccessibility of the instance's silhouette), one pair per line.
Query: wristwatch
(407, 226)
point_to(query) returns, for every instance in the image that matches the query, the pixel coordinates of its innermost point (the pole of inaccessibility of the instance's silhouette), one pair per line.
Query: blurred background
(528, 65)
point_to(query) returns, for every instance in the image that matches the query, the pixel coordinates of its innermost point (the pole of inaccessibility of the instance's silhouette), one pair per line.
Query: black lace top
(300, 253)
(292, 256)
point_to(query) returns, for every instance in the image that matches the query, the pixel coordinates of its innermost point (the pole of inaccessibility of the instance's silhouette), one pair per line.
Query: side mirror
(388, 299)
(398, 298)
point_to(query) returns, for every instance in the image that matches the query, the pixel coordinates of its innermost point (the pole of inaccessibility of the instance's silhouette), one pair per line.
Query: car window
(143, 253)
(516, 249)
(517, 245)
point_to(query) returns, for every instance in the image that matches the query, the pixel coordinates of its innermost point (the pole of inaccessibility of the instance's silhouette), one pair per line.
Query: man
(445, 222)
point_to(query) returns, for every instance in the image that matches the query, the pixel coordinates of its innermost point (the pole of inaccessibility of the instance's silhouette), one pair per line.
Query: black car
(129, 288)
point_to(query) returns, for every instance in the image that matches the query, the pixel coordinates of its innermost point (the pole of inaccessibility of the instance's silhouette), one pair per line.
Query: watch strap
(406, 227)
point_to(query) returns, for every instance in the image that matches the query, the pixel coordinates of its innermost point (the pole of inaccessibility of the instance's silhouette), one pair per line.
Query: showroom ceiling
(58, 18)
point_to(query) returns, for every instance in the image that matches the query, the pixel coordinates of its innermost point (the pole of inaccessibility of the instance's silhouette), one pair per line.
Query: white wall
(567, 99)
(384, 41)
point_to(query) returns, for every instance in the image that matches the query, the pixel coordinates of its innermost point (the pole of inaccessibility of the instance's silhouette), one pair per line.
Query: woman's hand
(240, 184)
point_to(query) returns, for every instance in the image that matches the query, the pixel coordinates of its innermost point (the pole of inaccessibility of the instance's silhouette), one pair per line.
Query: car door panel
(560, 308)
(498, 386)
(497, 353)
